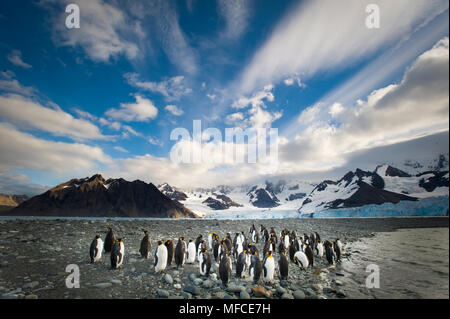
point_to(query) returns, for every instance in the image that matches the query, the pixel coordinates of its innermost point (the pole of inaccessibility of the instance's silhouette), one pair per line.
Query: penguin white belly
(286, 242)
(339, 243)
(320, 249)
(210, 241)
(191, 253)
(302, 259)
(269, 269)
(99, 250)
(122, 254)
(239, 249)
(161, 253)
(200, 264)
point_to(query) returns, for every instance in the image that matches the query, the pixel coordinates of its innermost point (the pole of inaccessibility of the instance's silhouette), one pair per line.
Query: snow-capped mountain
(385, 184)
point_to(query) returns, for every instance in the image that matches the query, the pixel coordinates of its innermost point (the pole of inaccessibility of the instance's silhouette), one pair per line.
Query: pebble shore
(34, 255)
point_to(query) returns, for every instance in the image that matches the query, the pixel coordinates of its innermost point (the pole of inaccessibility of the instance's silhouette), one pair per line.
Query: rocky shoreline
(34, 255)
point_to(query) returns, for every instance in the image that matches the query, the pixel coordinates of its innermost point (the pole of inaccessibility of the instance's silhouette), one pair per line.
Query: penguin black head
(97, 236)
(181, 238)
(160, 242)
(200, 235)
(190, 240)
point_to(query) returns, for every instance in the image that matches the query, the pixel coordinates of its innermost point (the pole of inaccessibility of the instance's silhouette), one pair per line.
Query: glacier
(426, 207)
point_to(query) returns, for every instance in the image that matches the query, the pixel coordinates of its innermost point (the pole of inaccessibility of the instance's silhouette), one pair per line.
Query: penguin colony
(290, 249)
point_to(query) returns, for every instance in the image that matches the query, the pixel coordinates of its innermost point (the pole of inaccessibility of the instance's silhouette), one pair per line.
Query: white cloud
(416, 106)
(172, 88)
(175, 110)
(256, 99)
(9, 84)
(120, 149)
(291, 80)
(336, 109)
(155, 141)
(142, 110)
(19, 184)
(15, 57)
(105, 29)
(30, 114)
(22, 150)
(303, 43)
(212, 97)
(236, 14)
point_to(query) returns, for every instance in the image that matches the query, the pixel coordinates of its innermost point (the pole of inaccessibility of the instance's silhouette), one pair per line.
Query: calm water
(413, 263)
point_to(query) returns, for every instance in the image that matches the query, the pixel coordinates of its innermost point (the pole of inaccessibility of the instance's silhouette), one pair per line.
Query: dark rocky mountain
(172, 192)
(93, 196)
(431, 180)
(261, 198)
(221, 202)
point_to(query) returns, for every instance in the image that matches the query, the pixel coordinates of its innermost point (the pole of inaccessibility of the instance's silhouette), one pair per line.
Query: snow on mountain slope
(409, 185)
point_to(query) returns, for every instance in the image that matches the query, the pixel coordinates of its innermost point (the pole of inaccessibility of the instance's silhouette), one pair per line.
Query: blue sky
(105, 97)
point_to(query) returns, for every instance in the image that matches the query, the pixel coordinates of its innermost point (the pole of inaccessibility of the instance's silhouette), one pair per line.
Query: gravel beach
(34, 255)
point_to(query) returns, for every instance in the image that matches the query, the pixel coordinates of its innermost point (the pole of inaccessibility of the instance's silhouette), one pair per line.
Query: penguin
(269, 246)
(287, 240)
(241, 264)
(329, 254)
(317, 236)
(229, 243)
(264, 233)
(197, 241)
(117, 254)
(254, 234)
(255, 269)
(161, 257)
(211, 238)
(170, 251)
(225, 269)
(191, 252)
(204, 262)
(269, 267)
(337, 250)
(238, 250)
(319, 249)
(216, 250)
(292, 250)
(309, 253)
(109, 241)
(253, 249)
(283, 266)
(273, 235)
(281, 247)
(242, 238)
(301, 260)
(180, 252)
(145, 245)
(236, 240)
(202, 245)
(339, 243)
(95, 251)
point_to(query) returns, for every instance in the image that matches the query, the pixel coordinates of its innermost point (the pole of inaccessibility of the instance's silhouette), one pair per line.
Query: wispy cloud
(303, 43)
(236, 14)
(174, 110)
(171, 88)
(15, 57)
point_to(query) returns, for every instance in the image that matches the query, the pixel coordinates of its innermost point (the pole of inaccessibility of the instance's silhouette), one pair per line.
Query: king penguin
(241, 264)
(329, 254)
(117, 254)
(204, 262)
(180, 252)
(170, 251)
(225, 269)
(161, 258)
(337, 250)
(283, 266)
(319, 249)
(109, 240)
(269, 267)
(145, 245)
(198, 241)
(309, 253)
(301, 260)
(255, 269)
(95, 251)
(191, 251)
